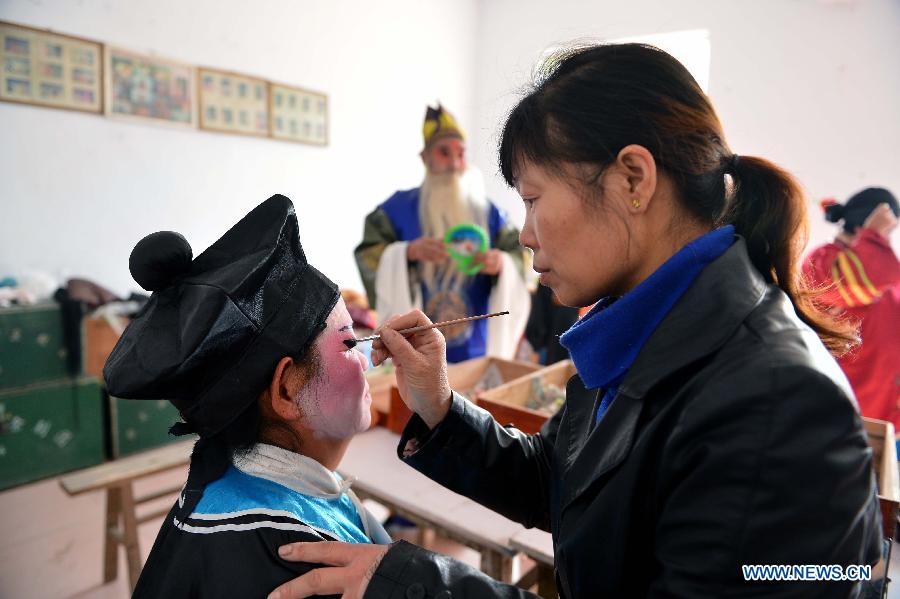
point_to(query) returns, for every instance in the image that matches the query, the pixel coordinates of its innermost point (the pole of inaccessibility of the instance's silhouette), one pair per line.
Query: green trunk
(49, 429)
(136, 425)
(32, 348)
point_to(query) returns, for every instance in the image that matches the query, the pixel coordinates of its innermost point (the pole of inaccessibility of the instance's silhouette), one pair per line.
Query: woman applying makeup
(707, 428)
(247, 340)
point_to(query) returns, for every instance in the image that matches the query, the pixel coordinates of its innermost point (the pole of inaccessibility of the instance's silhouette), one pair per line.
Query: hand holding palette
(464, 242)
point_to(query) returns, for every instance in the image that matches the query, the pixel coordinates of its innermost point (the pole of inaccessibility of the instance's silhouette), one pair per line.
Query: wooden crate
(882, 440)
(463, 377)
(506, 403)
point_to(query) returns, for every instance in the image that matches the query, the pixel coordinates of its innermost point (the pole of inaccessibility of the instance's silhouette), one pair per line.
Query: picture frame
(232, 102)
(298, 115)
(147, 88)
(45, 68)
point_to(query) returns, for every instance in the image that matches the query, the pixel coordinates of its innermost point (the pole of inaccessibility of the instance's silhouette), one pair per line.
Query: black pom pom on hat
(159, 259)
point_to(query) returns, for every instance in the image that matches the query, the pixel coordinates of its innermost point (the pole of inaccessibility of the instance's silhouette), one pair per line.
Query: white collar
(292, 470)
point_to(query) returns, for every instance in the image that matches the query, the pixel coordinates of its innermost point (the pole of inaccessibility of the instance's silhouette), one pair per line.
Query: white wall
(77, 191)
(812, 84)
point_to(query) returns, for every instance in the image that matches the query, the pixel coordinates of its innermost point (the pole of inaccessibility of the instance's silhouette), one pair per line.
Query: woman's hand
(352, 567)
(421, 364)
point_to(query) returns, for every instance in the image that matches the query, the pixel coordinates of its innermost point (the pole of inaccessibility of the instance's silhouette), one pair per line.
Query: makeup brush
(351, 343)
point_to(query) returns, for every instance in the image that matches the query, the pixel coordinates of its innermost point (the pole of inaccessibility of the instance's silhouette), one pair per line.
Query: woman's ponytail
(768, 209)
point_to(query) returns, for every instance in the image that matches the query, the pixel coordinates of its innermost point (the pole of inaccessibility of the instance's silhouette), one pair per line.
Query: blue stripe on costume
(237, 491)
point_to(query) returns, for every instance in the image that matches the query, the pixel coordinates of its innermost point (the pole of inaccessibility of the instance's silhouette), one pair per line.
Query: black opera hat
(215, 327)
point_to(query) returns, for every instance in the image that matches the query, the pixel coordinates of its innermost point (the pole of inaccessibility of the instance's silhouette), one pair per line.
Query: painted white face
(335, 403)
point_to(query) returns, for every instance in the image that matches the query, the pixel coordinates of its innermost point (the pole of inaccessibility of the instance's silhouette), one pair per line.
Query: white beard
(452, 199)
(446, 201)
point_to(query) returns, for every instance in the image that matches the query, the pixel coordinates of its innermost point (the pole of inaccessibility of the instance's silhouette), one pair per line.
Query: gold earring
(636, 203)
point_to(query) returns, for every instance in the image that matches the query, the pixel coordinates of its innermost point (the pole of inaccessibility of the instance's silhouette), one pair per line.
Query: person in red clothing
(860, 275)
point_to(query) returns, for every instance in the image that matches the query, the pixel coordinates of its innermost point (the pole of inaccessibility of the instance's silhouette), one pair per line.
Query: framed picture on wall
(298, 115)
(148, 88)
(233, 103)
(50, 69)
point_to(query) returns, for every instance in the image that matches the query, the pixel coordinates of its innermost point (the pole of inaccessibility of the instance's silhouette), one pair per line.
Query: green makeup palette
(464, 242)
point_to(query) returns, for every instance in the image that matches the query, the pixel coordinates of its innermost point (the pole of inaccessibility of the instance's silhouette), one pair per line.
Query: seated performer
(246, 341)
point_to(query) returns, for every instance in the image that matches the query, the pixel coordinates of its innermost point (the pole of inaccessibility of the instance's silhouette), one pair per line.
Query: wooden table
(882, 439)
(380, 475)
(538, 545)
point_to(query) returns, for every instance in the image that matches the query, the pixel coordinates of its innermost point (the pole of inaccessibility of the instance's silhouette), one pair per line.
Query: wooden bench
(371, 459)
(122, 521)
(538, 545)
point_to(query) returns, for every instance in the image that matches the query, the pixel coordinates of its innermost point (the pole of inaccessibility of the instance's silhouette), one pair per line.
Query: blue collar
(605, 342)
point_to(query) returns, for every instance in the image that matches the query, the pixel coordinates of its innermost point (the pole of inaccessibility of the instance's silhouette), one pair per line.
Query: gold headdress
(440, 123)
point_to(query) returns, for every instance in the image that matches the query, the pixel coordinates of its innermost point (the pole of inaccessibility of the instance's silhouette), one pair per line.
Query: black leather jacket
(734, 439)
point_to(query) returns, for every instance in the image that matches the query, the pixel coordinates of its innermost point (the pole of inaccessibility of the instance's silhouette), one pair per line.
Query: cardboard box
(464, 378)
(883, 442)
(507, 403)
(99, 337)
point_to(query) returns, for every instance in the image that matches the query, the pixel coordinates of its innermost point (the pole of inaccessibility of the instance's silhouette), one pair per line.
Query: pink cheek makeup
(344, 371)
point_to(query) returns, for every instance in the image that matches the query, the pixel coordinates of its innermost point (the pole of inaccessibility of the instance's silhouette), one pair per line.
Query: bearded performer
(404, 264)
